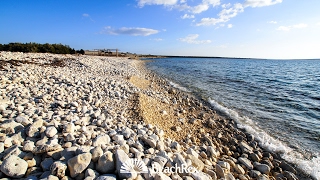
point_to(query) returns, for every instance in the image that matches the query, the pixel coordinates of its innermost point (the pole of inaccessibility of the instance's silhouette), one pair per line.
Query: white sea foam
(178, 86)
(311, 167)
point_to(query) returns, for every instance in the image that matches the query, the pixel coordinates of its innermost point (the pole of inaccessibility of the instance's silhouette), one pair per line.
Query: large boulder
(197, 163)
(122, 159)
(101, 140)
(14, 166)
(78, 164)
(14, 126)
(58, 169)
(106, 163)
(96, 153)
(33, 130)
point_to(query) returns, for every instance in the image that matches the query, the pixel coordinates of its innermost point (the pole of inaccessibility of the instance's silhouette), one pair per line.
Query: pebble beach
(90, 117)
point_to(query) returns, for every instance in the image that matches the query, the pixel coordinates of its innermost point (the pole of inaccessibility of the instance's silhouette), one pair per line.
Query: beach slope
(88, 117)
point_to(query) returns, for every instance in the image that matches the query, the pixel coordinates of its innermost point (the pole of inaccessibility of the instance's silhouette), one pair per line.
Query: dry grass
(11, 63)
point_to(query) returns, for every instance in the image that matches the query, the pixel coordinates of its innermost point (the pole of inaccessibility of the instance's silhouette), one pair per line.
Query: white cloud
(288, 28)
(224, 16)
(229, 11)
(260, 3)
(182, 5)
(187, 16)
(141, 3)
(192, 39)
(272, 22)
(299, 26)
(211, 2)
(204, 6)
(224, 6)
(209, 21)
(156, 39)
(199, 8)
(87, 16)
(230, 25)
(284, 28)
(130, 31)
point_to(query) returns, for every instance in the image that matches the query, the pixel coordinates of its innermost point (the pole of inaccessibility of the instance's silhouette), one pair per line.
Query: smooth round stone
(3, 137)
(8, 142)
(20, 108)
(75, 104)
(91, 173)
(23, 120)
(107, 177)
(1, 147)
(51, 131)
(263, 168)
(3, 107)
(28, 146)
(46, 163)
(69, 128)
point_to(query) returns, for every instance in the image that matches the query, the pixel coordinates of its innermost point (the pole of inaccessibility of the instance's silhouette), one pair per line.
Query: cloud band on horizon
(192, 39)
(132, 31)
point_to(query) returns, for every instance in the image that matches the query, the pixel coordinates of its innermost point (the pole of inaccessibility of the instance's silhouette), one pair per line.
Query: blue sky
(230, 28)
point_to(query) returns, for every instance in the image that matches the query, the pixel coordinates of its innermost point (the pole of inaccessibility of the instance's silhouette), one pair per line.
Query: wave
(309, 166)
(178, 86)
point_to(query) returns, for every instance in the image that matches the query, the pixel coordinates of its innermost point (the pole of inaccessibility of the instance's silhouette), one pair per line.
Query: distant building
(103, 52)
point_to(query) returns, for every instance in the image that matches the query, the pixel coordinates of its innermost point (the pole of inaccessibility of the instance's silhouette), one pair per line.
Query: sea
(277, 101)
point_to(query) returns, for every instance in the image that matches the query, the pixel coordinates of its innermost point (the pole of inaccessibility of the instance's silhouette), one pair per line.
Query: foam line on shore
(311, 167)
(175, 85)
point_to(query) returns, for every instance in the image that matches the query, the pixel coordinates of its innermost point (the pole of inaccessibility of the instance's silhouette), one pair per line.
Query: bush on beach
(39, 48)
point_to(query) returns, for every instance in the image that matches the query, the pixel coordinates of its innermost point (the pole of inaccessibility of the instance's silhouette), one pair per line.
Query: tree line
(39, 48)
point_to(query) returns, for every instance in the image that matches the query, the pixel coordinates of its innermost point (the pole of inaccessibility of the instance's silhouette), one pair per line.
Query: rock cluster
(83, 120)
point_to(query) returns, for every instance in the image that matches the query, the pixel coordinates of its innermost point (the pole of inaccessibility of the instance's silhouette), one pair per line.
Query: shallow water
(276, 100)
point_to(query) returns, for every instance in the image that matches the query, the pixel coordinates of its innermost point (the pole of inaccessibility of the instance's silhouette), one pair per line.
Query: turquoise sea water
(278, 101)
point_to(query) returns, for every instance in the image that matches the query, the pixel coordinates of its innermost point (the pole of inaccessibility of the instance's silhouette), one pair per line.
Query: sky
(277, 29)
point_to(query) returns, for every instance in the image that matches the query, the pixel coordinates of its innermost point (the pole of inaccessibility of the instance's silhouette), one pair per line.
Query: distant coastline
(217, 57)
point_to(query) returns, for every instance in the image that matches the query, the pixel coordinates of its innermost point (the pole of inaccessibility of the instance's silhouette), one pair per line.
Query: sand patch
(167, 115)
(164, 116)
(139, 82)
